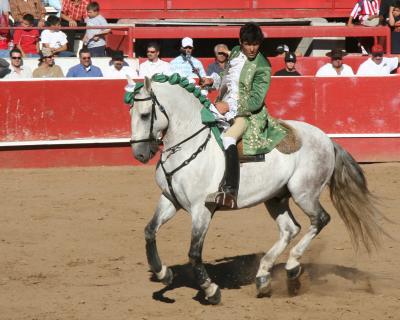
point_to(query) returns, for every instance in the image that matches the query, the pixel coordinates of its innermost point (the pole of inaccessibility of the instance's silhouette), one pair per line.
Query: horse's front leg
(201, 218)
(164, 212)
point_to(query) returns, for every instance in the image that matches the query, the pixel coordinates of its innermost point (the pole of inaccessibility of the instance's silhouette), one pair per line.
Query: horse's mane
(184, 82)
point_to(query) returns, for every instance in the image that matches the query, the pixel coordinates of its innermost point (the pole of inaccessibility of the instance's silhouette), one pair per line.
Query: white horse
(192, 166)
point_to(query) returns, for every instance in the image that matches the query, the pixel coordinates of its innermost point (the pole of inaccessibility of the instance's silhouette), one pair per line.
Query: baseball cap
(377, 49)
(282, 48)
(187, 42)
(290, 57)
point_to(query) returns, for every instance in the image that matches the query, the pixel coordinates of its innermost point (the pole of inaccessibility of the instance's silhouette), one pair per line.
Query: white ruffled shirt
(231, 81)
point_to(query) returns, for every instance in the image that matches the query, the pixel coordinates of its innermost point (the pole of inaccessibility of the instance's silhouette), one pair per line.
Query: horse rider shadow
(238, 271)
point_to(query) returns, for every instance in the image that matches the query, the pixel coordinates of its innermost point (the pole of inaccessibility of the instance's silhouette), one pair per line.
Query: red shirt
(27, 39)
(75, 11)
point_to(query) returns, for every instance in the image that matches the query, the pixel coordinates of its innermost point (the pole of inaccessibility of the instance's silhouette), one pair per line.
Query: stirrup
(222, 200)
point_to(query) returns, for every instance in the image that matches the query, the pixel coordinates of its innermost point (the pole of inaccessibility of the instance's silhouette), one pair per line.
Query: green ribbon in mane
(274, 131)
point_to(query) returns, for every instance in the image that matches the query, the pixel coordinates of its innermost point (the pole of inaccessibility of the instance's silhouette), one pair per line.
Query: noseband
(155, 103)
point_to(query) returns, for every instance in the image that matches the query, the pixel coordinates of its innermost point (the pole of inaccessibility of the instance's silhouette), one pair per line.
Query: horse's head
(148, 120)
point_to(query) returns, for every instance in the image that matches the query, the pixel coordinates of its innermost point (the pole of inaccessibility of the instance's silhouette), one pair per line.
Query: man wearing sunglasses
(153, 64)
(85, 69)
(18, 70)
(221, 52)
(335, 68)
(377, 64)
(47, 67)
(185, 64)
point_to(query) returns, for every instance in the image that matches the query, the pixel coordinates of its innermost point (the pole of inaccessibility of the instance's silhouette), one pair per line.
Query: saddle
(290, 144)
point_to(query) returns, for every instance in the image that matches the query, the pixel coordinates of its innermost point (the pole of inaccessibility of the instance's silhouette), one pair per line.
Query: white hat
(187, 42)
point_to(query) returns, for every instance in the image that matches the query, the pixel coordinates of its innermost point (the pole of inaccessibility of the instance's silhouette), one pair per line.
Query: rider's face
(250, 50)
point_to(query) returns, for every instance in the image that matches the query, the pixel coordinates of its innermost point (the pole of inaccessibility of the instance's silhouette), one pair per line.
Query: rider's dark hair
(251, 33)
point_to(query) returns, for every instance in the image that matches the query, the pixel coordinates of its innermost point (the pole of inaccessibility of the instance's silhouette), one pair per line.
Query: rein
(175, 148)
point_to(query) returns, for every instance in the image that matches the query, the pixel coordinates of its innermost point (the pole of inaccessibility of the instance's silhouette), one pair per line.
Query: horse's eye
(145, 116)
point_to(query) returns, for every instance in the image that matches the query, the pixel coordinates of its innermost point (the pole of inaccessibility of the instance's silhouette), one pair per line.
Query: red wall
(54, 110)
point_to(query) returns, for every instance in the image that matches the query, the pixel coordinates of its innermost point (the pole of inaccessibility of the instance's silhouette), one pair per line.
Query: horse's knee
(294, 231)
(149, 232)
(320, 221)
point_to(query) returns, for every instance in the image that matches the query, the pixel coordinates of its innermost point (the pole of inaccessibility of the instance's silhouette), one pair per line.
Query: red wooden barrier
(250, 9)
(86, 123)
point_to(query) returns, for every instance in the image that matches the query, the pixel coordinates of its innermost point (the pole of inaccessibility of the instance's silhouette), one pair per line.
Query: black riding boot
(227, 198)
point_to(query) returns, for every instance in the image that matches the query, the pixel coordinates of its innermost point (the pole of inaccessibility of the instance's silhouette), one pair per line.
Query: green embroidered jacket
(263, 132)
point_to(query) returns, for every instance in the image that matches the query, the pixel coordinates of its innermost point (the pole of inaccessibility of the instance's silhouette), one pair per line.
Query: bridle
(155, 103)
(175, 148)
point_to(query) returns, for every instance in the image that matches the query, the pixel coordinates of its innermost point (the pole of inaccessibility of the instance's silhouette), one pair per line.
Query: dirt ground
(72, 247)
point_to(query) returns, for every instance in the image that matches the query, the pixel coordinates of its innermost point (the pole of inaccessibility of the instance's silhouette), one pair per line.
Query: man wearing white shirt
(336, 68)
(378, 65)
(18, 71)
(118, 68)
(154, 64)
(55, 39)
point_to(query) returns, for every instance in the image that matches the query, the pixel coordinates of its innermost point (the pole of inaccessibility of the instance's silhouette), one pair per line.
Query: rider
(242, 92)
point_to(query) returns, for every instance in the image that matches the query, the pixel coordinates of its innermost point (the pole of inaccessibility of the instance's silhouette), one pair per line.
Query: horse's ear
(147, 84)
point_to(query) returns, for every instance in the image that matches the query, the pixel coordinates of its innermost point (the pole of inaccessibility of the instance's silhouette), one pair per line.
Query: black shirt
(286, 73)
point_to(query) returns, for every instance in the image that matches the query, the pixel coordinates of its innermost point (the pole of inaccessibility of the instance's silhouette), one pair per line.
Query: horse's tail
(354, 202)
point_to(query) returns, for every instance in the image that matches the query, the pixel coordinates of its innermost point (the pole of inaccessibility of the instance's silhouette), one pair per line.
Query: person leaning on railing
(73, 14)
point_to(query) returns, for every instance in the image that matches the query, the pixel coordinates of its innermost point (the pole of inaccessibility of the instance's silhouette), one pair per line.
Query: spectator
(336, 67)
(290, 66)
(153, 64)
(54, 39)
(4, 68)
(18, 70)
(4, 33)
(185, 64)
(365, 12)
(118, 68)
(384, 11)
(221, 52)
(57, 5)
(19, 8)
(27, 40)
(95, 38)
(377, 64)
(73, 14)
(281, 50)
(85, 69)
(47, 68)
(394, 22)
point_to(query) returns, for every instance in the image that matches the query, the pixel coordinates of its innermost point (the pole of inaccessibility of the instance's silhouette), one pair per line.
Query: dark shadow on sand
(235, 272)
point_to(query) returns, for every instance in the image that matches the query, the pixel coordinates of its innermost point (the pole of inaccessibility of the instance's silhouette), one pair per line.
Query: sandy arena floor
(72, 247)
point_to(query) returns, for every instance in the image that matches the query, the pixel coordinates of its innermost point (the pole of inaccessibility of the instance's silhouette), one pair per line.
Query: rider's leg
(228, 197)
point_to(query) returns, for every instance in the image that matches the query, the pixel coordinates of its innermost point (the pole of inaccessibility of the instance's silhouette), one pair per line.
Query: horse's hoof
(215, 298)
(294, 273)
(263, 285)
(169, 276)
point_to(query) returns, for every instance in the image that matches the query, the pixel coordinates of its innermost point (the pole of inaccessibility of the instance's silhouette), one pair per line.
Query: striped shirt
(184, 68)
(76, 10)
(365, 8)
(19, 8)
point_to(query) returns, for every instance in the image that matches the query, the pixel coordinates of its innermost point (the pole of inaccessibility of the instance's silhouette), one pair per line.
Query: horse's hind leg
(319, 218)
(288, 229)
(164, 212)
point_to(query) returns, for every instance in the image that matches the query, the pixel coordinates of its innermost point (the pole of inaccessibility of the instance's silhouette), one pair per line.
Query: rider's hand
(222, 107)
(206, 82)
